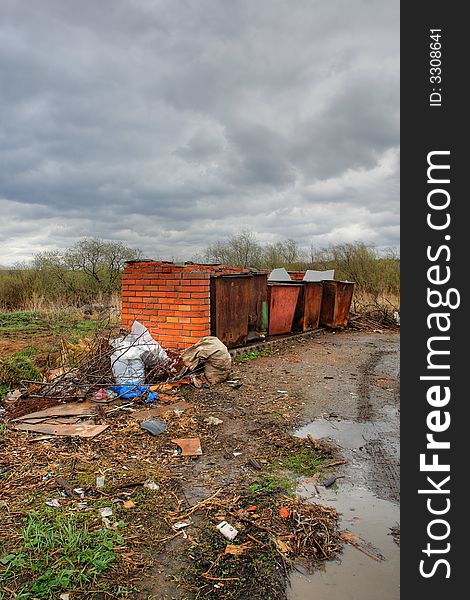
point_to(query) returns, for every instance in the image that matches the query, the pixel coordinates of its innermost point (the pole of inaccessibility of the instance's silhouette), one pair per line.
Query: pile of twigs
(373, 316)
(86, 367)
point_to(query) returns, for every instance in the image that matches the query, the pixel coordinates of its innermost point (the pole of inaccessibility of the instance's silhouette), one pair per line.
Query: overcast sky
(170, 124)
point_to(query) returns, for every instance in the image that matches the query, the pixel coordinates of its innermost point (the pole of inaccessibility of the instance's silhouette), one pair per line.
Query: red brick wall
(171, 300)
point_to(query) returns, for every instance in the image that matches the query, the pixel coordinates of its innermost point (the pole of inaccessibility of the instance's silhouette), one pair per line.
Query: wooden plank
(83, 430)
(63, 410)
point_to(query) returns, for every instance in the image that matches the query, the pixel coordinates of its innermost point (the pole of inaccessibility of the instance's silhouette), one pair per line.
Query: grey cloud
(171, 124)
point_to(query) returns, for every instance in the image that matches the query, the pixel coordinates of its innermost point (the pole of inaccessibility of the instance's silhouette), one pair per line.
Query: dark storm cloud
(171, 124)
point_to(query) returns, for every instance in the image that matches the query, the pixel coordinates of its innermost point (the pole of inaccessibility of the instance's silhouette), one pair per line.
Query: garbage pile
(95, 377)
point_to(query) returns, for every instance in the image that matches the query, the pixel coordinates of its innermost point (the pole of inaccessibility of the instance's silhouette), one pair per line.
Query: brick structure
(172, 300)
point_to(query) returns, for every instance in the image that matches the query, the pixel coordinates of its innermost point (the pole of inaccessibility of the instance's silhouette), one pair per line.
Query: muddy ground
(339, 377)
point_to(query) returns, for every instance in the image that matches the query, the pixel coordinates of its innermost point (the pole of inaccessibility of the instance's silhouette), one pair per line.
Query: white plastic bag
(133, 353)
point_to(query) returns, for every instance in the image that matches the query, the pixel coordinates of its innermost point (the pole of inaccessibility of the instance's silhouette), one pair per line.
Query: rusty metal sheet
(189, 446)
(259, 294)
(282, 303)
(230, 307)
(336, 302)
(307, 312)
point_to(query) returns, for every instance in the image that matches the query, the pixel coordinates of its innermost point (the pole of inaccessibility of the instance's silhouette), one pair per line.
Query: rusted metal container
(336, 302)
(257, 325)
(231, 299)
(282, 298)
(308, 309)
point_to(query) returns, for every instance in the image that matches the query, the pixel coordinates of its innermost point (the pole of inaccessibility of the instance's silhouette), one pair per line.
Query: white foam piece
(312, 275)
(279, 275)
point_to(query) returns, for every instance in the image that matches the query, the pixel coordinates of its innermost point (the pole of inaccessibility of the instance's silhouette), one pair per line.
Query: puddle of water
(347, 434)
(355, 576)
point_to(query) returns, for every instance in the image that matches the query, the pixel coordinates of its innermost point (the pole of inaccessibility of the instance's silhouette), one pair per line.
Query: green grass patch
(252, 355)
(57, 553)
(269, 483)
(16, 368)
(303, 462)
(57, 323)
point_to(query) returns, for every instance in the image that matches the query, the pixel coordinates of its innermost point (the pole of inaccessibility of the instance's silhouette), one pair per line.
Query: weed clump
(56, 554)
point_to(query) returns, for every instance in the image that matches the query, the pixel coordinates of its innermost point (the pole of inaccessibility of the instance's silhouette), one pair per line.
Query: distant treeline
(90, 271)
(86, 273)
(374, 273)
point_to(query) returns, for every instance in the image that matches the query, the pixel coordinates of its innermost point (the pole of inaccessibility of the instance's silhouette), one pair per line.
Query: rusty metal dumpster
(257, 318)
(231, 300)
(282, 299)
(308, 309)
(336, 302)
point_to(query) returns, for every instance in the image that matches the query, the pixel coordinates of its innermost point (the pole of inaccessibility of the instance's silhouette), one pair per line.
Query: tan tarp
(211, 352)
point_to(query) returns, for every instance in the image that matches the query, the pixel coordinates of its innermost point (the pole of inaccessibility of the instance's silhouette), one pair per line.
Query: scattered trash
(189, 446)
(47, 476)
(68, 489)
(255, 464)
(154, 426)
(227, 530)
(151, 485)
(251, 509)
(161, 411)
(213, 421)
(329, 481)
(235, 383)
(284, 512)
(135, 391)
(129, 503)
(106, 511)
(237, 453)
(82, 505)
(328, 377)
(54, 503)
(182, 524)
(100, 481)
(282, 392)
(64, 596)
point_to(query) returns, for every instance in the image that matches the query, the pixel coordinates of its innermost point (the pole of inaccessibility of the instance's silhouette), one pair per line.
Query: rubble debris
(213, 421)
(54, 503)
(83, 430)
(188, 446)
(255, 464)
(153, 426)
(151, 485)
(213, 355)
(182, 524)
(227, 530)
(329, 481)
